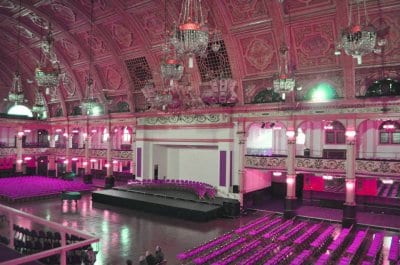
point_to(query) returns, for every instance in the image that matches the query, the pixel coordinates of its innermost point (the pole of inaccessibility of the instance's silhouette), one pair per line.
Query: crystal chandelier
(156, 99)
(191, 36)
(48, 72)
(171, 67)
(221, 91)
(89, 104)
(284, 83)
(39, 106)
(16, 93)
(358, 38)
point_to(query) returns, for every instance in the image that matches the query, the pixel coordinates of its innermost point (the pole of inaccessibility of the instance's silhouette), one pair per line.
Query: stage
(174, 203)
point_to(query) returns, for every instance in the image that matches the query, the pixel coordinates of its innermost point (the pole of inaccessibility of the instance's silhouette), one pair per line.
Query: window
(336, 133)
(105, 136)
(389, 133)
(126, 136)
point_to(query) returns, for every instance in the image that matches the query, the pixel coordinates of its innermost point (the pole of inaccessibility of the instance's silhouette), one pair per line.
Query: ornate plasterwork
(64, 12)
(380, 167)
(113, 77)
(246, 10)
(122, 155)
(184, 119)
(7, 4)
(265, 162)
(122, 35)
(69, 86)
(70, 49)
(38, 21)
(314, 164)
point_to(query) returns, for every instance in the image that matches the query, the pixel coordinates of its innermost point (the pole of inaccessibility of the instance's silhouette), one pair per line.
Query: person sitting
(159, 255)
(151, 260)
(89, 256)
(129, 262)
(142, 260)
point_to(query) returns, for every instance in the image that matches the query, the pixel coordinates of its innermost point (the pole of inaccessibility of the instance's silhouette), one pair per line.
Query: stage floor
(159, 203)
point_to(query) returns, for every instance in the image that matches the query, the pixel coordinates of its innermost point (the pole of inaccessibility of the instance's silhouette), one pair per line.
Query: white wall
(160, 158)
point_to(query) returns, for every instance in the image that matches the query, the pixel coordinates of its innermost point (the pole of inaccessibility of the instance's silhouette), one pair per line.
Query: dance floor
(28, 187)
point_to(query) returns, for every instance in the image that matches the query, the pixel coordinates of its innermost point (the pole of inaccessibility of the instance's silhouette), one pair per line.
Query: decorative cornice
(185, 119)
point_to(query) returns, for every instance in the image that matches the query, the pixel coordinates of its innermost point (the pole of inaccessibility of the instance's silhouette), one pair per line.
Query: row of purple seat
(358, 240)
(302, 257)
(208, 245)
(201, 189)
(280, 257)
(258, 255)
(252, 224)
(255, 232)
(322, 238)
(218, 252)
(339, 241)
(237, 254)
(394, 249)
(292, 232)
(307, 234)
(323, 259)
(277, 230)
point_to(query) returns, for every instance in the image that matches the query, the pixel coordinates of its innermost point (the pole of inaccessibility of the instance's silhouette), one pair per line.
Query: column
(86, 164)
(133, 161)
(349, 207)
(68, 146)
(109, 164)
(51, 170)
(290, 200)
(19, 161)
(241, 166)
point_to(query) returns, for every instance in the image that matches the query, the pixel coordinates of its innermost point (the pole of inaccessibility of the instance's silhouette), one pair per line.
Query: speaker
(231, 208)
(235, 188)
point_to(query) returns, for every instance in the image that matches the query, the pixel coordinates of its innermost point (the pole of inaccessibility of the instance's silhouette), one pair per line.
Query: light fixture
(171, 67)
(387, 181)
(89, 104)
(359, 37)
(277, 174)
(191, 36)
(284, 82)
(39, 107)
(327, 177)
(48, 72)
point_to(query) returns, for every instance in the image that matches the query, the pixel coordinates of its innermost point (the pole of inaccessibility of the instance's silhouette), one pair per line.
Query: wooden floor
(127, 234)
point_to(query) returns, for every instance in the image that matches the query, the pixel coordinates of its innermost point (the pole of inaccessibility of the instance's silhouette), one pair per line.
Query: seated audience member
(159, 255)
(151, 260)
(142, 260)
(89, 256)
(128, 262)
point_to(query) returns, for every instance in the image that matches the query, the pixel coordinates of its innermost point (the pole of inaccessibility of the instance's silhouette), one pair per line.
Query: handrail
(12, 213)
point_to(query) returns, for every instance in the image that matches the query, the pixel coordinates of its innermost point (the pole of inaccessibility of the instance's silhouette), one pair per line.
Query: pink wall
(312, 182)
(367, 186)
(256, 179)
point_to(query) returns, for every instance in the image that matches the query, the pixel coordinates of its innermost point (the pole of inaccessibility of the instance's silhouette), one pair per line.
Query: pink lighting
(65, 134)
(28, 158)
(328, 127)
(277, 174)
(84, 163)
(290, 181)
(75, 131)
(74, 159)
(58, 130)
(65, 162)
(115, 162)
(290, 134)
(107, 165)
(93, 160)
(20, 134)
(349, 185)
(389, 126)
(350, 134)
(277, 127)
(19, 161)
(27, 131)
(327, 177)
(94, 131)
(387, 181)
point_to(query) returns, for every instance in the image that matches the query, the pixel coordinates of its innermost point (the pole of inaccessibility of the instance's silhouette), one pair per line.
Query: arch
(383, 88)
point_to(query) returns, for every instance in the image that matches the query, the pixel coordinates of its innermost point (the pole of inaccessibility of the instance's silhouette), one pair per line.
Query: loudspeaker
(235, 188)
(231, 208)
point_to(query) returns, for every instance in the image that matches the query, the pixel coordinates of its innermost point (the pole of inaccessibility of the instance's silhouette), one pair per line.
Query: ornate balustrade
(363, 166)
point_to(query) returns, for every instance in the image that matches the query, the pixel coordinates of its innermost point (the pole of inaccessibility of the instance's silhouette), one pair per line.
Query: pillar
(349, 207)
(241, 165)
(86, 164)
(290, 200)
(19, 161)
(133, 161)
(68, 165)
(109, 164)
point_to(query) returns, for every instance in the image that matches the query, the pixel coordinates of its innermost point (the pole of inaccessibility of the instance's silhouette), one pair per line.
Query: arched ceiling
(252, 31)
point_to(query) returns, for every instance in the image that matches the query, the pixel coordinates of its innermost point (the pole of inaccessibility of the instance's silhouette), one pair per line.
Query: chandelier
(191, 36)
(221, 91)
(171, 68)
(39, 106)
(48, 71)
(284, 82)
(359, 38)
(16, 93)
(89, 104)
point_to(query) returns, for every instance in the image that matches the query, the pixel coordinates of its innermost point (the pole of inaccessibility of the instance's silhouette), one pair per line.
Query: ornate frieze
(184, 119)
(265, 162)
(317, 164)
(379, 167)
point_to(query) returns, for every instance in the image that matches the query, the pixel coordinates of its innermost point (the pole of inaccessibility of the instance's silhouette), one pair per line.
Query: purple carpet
(20, 188)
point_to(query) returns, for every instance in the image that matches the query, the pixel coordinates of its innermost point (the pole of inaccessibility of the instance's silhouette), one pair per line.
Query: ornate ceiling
(128, 35)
